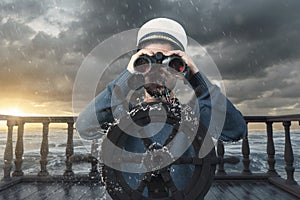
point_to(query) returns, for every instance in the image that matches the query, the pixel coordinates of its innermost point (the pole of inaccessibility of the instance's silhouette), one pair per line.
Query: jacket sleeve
(103, 108)
(109, 104)
(214, 104)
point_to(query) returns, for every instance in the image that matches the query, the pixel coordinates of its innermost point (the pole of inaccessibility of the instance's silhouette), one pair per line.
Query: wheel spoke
(172, 135)
(177, 195)
(146, 140)
(131, 159)
(188, 160)
(143, 183)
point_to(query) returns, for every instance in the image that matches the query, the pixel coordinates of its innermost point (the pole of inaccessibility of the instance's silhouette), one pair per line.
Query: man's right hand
(141, 52)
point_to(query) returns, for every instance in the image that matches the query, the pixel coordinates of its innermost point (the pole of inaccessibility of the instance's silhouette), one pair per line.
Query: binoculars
(143, 64)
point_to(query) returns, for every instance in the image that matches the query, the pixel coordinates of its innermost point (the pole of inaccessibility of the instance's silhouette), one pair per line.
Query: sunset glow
(43, 46)
(16, 111)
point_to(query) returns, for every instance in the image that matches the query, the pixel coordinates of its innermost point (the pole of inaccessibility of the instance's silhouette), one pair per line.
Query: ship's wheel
(185, 177)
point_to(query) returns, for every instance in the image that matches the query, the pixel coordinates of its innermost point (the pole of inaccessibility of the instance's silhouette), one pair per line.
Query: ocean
(58, 137)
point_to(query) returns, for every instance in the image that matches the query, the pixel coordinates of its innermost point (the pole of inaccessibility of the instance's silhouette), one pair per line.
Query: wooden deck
(220, 190)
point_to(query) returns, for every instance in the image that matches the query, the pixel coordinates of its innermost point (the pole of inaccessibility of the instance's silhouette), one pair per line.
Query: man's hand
(186, 58)
(141, 52)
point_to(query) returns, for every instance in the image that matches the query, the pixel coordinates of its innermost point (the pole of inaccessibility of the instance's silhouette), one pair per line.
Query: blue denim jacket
(101, 109)
(106, 103)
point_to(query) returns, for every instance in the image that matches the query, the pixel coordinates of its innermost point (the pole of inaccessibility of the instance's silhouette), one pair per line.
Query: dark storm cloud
(43, 70)
(243, 37)
(276, 93)
(25, 9)
(35, 65)
(280, 81)
(266, 106)
(246, 39)
(102, 19)
(14, 31)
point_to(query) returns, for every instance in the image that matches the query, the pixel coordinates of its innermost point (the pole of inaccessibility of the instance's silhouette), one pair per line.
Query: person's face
(159, 47)
(159, 77)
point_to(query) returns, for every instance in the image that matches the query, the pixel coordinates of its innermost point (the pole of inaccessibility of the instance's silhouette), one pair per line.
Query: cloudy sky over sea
(255, 45)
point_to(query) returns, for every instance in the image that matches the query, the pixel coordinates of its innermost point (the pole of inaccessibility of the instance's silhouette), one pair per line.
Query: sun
(16, 111)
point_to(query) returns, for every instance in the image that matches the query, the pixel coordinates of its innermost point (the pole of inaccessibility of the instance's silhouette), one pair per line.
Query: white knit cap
(163, 29)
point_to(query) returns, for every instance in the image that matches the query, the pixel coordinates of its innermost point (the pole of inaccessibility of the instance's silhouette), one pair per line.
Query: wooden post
(94, 159)
(69, 151)
(271, 150)
(246, 153)
(288, 155)
(44, 150)
(8, 153)
(94, 173)
(221, 152)
(95, 148)
(19, 150)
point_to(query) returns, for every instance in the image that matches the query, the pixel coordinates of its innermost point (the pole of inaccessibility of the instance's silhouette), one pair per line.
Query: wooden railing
(288, 149)
(288, 184)
(44, 150)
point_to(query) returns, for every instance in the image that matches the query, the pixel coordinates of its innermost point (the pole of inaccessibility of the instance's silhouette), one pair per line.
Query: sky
(255, 45)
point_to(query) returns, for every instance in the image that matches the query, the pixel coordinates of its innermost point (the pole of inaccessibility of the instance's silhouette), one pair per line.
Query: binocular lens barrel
(144, 62)
(177, 64)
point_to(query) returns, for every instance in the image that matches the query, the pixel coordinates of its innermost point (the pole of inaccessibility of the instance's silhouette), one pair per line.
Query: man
(166, 36)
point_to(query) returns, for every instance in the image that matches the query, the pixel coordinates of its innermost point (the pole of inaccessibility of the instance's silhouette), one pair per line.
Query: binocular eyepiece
(143, 64)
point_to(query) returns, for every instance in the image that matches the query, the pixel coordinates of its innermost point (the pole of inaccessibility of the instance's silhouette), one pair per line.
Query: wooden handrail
(279, 118)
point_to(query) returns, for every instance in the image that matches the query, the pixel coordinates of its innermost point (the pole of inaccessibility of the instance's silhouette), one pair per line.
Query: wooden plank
(220, 190)
(96, 192)
(18, 191)
(230, 190)
(280, 182)
(44, 190)
(275, 192)
(70, 191)
(251, 190)
(246, 190)
(210, 195)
